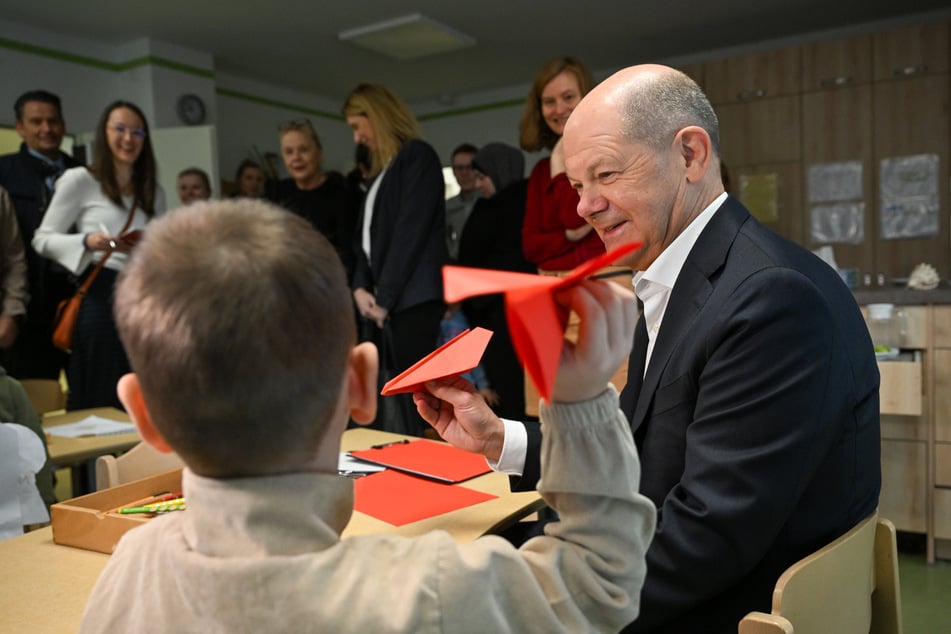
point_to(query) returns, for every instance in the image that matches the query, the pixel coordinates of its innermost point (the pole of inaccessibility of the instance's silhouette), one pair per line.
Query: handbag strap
(102, 262)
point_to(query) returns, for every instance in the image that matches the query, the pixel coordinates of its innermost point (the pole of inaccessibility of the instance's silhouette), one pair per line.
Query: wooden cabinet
(837, 63)
(942, 519)
(911, 117)
(942, 396)
(762, 138)
(837, 127)
(755, 76)
(911, 51)
(900, 391)
(904, 484)
(915, 398)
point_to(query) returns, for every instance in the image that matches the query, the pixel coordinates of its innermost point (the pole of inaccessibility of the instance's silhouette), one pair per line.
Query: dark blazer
(757, 425)
(24, 177)
(407, 232)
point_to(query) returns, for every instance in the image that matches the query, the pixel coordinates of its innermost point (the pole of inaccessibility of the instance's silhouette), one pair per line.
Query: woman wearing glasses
(99, 211)
(322, 198)
(401, 237)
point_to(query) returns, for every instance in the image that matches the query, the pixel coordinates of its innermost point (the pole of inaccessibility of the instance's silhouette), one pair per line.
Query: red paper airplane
(455, 357)
(536, 322)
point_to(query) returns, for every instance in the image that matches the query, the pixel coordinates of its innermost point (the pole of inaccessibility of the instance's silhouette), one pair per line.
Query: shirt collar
(58, 162)
(666, 268)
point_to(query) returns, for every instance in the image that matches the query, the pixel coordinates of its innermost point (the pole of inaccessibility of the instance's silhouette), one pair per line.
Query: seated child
(239, 327)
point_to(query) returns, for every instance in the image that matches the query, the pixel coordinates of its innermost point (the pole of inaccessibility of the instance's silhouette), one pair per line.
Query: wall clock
(191, 109)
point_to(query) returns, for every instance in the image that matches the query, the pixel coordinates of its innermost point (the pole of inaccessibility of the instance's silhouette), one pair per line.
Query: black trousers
(406, 337)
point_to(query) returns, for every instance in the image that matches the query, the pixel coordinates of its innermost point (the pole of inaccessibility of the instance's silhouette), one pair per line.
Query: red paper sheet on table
(399, 498)
(455, 357)
(536, 322)
(427, 458)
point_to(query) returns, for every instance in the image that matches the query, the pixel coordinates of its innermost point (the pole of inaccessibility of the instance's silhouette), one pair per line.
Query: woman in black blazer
(401, 246)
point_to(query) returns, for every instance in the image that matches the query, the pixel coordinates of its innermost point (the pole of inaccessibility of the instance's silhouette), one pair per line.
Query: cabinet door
(755, 76)
(911, 116)
(765, 131)
(836, 127)
(837, 63)
(904, 484)
(911, 51)
(942, 396)
(780, 211)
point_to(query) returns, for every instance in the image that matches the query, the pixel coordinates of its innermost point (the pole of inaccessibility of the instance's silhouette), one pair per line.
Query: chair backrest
(848, 586)
(46, 395)
(139, 462)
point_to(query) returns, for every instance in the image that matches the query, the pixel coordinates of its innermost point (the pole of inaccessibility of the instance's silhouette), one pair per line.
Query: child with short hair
(237, 320)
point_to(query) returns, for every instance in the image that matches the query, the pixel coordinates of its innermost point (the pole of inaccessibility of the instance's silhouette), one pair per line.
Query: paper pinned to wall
(837, 206)
(760, 194)
(833, 182)
(909, 196)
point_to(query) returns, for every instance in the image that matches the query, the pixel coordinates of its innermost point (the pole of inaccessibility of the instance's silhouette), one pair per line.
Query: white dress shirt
(653, 288)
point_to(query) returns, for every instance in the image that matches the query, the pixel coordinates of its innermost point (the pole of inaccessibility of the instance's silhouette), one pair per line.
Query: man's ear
(695, 147)
(362, 369)
(130, 393)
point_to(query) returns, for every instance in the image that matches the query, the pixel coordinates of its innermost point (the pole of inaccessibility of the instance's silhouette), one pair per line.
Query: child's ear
(362, 371)
(130, 393)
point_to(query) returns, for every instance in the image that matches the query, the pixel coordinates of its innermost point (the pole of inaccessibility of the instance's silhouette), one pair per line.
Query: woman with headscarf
(491, 239)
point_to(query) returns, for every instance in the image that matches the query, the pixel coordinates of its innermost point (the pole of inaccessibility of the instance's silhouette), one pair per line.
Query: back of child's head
(237, 321)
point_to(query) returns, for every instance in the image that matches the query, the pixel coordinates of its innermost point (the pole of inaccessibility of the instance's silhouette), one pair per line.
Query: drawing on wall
(836, 205)
(909, 196)
(760, 194)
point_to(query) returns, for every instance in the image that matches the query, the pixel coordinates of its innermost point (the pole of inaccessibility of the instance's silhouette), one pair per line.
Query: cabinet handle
(909, 71)
(745, 95)
(835, 82)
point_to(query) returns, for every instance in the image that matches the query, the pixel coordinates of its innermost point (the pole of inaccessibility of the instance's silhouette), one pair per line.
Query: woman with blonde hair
(554, 237)
(401, 241)
(321, 197)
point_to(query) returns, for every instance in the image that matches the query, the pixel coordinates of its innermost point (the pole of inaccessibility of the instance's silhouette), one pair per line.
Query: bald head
(642, 150)
(651, 103)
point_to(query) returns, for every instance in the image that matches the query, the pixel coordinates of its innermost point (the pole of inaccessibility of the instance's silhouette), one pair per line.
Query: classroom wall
(245, 113)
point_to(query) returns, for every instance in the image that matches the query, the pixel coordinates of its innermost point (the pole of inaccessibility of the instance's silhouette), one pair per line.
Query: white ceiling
(294, 43)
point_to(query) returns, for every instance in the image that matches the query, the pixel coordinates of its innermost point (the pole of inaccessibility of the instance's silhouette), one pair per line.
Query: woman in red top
(554, 237)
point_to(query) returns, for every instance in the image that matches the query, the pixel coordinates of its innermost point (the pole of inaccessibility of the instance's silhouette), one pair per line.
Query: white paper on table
(347, 464)
(21, 456)
(91, 426)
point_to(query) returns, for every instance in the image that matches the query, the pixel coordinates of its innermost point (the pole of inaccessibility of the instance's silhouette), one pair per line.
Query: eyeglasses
(462, 168)
(121, 130)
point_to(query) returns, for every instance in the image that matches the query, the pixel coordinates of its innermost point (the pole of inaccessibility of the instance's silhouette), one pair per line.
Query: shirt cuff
(514, 448)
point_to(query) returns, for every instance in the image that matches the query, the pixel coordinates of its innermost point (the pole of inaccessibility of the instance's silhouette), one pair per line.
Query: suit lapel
(691, 291)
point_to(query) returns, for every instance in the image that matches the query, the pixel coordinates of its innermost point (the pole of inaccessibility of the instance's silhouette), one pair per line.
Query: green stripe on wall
(471, 109)
(227, 92)
(42, 51)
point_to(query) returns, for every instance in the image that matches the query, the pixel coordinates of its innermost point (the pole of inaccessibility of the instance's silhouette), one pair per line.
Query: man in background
(29, 176)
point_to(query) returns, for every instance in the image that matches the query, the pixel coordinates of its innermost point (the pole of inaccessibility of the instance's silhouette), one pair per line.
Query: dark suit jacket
(24, 177)
(407, 232)
(757, 425)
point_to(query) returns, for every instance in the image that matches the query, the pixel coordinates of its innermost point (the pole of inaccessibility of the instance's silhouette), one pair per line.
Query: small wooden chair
(849, 586)
(46, 395)
(139, 462)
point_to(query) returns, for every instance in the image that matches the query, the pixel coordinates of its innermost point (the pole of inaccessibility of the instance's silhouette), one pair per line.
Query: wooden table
(73, 453)
(44, 586)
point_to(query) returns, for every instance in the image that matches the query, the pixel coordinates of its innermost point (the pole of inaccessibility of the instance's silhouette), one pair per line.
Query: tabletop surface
(65, 452)
(44, 586)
